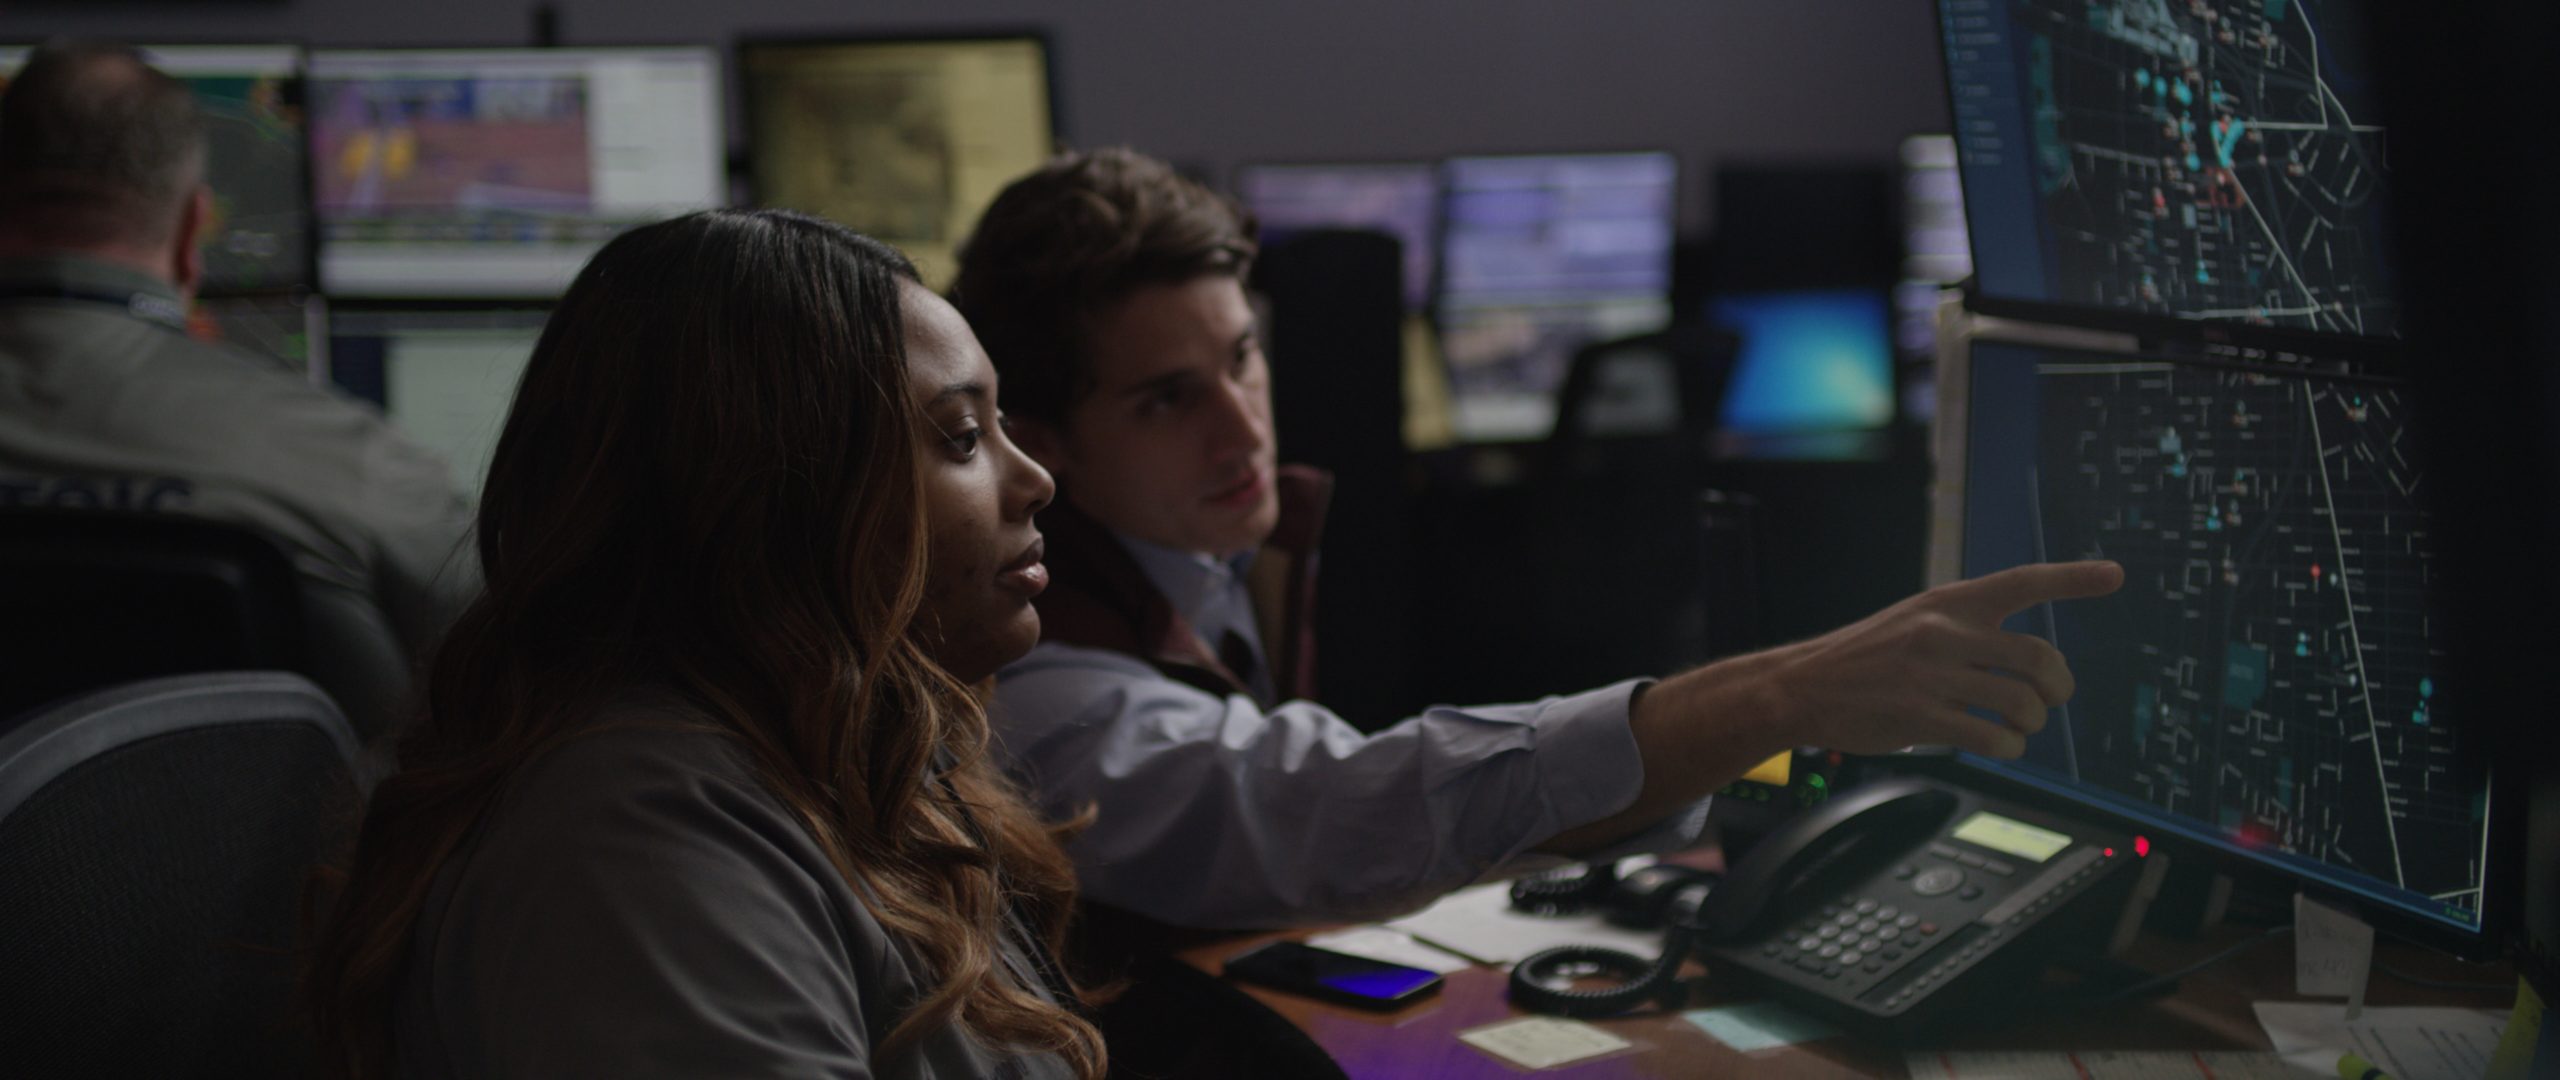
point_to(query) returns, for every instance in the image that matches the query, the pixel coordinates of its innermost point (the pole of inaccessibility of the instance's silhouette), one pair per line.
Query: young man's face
(1172, 444)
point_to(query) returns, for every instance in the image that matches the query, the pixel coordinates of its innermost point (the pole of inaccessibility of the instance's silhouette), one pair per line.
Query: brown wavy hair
(1065, 243)
(709, 482)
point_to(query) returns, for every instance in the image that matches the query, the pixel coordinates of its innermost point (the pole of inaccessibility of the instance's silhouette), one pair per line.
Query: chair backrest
(94, 598)
(154, 840)
(1667, 383)
(1337, 397)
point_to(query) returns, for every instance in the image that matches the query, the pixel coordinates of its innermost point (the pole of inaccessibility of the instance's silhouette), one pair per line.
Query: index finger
(1994, 597)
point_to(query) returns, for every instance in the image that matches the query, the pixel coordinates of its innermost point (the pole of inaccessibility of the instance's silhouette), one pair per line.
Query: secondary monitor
(1401, 200)
(290, 327)
(445, 377)
(2271, 682)
(258, 238)
(496, 173)
(1539, 256)
(906, 140)
(1812, 360)
(2218, 161)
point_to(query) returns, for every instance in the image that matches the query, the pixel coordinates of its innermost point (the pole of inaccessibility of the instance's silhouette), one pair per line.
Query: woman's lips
(1026, 574)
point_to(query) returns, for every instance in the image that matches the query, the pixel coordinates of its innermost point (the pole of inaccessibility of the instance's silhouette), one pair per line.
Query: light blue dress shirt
(1216, 812)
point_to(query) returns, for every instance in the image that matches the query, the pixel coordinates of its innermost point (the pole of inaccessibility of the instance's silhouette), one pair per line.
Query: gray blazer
(638, 904)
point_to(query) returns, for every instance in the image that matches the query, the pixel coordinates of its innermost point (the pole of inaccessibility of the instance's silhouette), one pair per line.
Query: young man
(1168, 689)
(105, 403)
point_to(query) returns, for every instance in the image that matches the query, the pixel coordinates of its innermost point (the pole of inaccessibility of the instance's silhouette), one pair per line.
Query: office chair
(1665, 385)
(95, 598)
(1337, 396)
(154, 838)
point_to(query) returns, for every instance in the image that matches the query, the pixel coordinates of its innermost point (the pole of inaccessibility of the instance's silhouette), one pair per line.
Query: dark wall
(1214, 83)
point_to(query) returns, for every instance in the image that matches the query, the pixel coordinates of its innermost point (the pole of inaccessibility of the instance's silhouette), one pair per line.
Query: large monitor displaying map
(258, 236)
(2272, 678)
(2217, 161)
(496, 173)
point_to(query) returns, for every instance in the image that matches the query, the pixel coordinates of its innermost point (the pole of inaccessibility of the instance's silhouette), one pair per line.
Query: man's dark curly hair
(1059, 246)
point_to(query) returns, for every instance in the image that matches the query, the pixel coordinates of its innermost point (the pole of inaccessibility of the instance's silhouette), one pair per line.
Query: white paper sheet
(1478, 922)
(2098, 1065)
(2407, 1042)
(1392, 946)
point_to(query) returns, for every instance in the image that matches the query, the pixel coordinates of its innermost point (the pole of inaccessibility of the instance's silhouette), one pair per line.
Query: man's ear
(1043, 441)
(186, 254)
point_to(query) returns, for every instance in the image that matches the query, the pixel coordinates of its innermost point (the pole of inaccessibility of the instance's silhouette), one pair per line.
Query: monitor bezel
(2155, 328)
(2498, 875)
(465, 299)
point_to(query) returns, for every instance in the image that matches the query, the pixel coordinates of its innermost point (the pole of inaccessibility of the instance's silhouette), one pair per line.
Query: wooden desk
(2210, 1011)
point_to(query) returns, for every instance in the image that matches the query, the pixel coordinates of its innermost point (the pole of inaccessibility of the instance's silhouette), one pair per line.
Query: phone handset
(1808, 844)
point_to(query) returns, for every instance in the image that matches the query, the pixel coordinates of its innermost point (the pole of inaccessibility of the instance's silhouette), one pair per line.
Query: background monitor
(1538, 257)
(291, 327)
(1401, 200)
(259, 236)
(497, 173)
(904, 140)
(1812, 360)
(2271, 683)
(2219, 162)
(446, 378)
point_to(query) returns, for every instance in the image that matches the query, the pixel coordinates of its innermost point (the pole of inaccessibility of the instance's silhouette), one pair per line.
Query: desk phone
(1903, 899)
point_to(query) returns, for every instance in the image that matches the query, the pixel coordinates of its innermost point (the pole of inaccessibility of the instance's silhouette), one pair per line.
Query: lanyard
(147, 306)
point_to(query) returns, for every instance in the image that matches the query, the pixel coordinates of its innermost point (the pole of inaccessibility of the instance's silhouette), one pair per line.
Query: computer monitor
(2270, 685)
(446, 377)
(2213, 162)
(1540, 255)
(259, 236)
(1812, 360)
(905, 139)
(292, 327)
(496, 173)
(1401, 200)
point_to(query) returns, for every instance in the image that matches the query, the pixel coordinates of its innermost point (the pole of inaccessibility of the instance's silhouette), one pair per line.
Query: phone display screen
(2013, 838)
(1290, 965)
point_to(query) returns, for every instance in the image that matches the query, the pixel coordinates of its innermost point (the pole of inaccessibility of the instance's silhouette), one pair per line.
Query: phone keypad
(1857, 941)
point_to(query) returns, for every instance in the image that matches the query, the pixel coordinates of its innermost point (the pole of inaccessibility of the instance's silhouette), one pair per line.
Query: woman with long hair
(700, 784)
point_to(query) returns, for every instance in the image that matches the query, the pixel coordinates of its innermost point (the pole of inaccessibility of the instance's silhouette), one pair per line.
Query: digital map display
(2272, 667)
(2208, 159)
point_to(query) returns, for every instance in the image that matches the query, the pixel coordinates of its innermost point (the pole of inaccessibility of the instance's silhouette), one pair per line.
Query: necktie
(1237, 654)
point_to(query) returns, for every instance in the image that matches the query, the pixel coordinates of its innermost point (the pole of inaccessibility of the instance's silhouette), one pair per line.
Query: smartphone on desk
(1342, 978)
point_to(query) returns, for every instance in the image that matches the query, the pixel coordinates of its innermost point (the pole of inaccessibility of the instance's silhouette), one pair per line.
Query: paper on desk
(1536, 1042)
(2099, 1065)
(1392, 946)
(2407, 1042)
(1759, 1025)
(1478, 922)
(2332, 951)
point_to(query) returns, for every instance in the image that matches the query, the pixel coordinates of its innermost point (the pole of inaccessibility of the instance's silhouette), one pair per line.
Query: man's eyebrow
(1142, 387)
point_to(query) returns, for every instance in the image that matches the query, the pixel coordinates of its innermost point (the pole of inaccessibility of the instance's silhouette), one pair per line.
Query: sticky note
(2332, 951)
(1759, 1026)
(1536, 1042)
